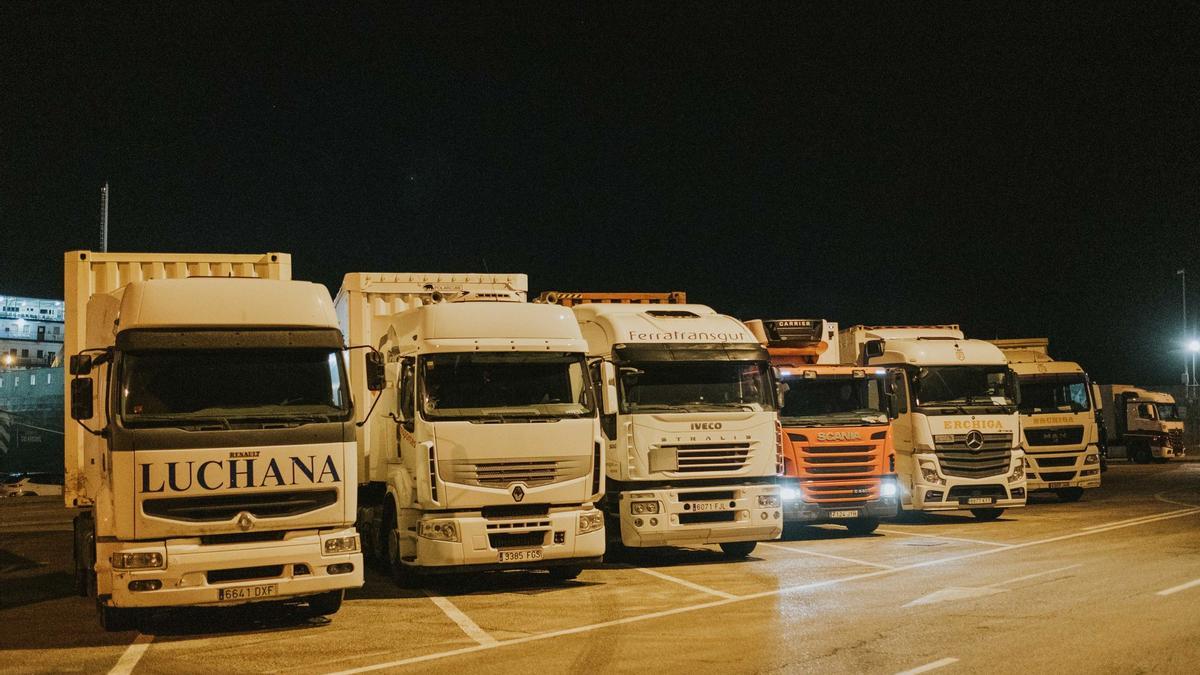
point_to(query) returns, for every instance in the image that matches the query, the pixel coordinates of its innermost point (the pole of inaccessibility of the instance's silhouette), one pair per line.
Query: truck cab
(1147, 423)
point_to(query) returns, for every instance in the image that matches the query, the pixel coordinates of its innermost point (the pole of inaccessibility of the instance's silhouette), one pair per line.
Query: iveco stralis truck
(487, 454)
(838, 461)
(1058, 423)
(957, 434)
(694, 445)
(209, 434)
(1146, 423)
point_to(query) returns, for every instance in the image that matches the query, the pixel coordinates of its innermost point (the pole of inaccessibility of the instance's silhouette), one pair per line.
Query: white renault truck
(694, 447)
(957, 434)
(1147, 423)
(1060, 434)
(209, 438)
(485, 453)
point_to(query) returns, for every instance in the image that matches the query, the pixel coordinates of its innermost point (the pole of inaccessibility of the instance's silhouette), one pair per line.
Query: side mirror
(81, 364)
(608, 388)
(376, 374)
(81, 397)
(873, 348)
(893, 405)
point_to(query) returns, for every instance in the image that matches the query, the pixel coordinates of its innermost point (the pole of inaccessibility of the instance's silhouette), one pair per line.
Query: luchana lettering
(216, 474)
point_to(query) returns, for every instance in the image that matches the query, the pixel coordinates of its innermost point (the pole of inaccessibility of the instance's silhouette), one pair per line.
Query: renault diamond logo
(245, 522)
(974, 441)
(518, 493)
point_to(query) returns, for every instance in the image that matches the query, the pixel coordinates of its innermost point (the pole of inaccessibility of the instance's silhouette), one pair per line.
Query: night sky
(1023, 173)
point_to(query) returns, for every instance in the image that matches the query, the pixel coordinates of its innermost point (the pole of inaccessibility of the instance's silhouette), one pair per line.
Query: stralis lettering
(706, 425)
(839, 436)
(974, 424)
(215, 474)
(690, 336)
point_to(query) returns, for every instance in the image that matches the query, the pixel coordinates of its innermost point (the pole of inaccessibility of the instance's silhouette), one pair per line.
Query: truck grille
(704, 457)
(502, 473)
(1054, 436)
(1055, 476)
(1176, 437)
(1044, 462)
(279, 504)
(517, 539)
(244, 573)
(839, 460)
(959, 491)
(992, 459)
(842, 493)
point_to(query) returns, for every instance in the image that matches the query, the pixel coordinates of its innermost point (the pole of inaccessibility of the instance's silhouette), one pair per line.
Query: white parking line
(685, 582)
(753, 596)
(1180, 587)
(464, 622)
(940, 663)
(935, 536)
(827, 555)
(1151, 517)
(133, 654)
(1038, 574)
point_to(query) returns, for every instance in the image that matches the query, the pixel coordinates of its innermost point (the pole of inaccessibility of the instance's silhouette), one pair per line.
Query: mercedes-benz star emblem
(518, 493)
(974, 441)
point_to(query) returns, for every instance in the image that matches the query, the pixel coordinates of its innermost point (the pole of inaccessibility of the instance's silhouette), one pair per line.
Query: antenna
(104, 218)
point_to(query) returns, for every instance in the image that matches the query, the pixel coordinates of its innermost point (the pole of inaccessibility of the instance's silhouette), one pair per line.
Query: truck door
(902, 425)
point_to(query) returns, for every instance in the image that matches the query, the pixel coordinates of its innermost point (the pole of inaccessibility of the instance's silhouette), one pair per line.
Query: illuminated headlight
(341, 545)
(440, 530)
(768, 501)
(1018, 473)
(930, 474)
(138, 561)
(943, 438)
(1091, 459)
(643, 508)
(590, 521)
(887, 489)
(788, 494)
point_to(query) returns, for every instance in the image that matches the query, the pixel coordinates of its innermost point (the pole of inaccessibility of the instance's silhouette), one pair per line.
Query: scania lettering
(692, 439)
(486, 454)
(956, 433)
(837, 445)
(209, 434)
(1059, 432)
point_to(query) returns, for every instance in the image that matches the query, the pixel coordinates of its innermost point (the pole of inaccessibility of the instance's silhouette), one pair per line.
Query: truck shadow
(821, 533)
(670, 557)
(378, 584)
(29, 590)
(188, 622)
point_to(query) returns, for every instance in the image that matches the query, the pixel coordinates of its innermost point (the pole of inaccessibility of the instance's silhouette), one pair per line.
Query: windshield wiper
(180, 421)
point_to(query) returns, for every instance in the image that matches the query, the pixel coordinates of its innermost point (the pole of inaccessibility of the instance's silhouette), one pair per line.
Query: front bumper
(797, 508)
(1042, 476)
(701, 515)
(989, 494)
(532, 542)
(185, 578)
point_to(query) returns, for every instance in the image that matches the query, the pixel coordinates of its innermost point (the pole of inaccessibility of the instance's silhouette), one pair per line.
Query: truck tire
(325, 603)
(738, 549)
(1140, 454)
(862, 526)
(986, 514)
(401, 574)
(117, 619)
(565, 572)
(84, 538)
(1069, 494)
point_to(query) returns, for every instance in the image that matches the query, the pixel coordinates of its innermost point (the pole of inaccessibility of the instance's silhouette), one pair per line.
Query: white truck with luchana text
(1060, 434)
(957, 433)
(1146, 423)
(209, 434)
(694, 446)
(485, 453)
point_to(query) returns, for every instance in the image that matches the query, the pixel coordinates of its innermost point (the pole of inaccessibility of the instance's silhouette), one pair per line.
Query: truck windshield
(695, 386)
(1054, 393)
(833, 401)
(496, 386)
(173, 387)
(959, 387)
(1167, 412)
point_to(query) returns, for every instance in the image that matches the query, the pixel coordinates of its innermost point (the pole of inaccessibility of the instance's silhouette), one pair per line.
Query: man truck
(1059, 432)
(487, 454)
(1147, 423)
(693, 442)
(838, 460)
(957, 433)
(209, 438)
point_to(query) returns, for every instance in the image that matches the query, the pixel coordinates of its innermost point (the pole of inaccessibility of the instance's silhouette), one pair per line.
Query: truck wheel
(401, 574)
(1140, 455)
(738, 549)
(325, 603)
(85, 575)
(1069, 494)
(986, 514)
(565, 572)
(862, 525)
(117, 619)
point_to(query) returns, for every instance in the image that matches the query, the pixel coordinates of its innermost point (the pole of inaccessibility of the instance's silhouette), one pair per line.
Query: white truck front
(1147, 423)
(957, 436)
(486, 453)
(694, 443)
(209, 434)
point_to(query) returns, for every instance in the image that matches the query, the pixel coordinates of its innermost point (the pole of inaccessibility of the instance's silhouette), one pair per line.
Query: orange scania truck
(839, 464)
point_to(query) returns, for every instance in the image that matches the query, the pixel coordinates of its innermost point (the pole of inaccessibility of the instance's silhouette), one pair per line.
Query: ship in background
(31, 386)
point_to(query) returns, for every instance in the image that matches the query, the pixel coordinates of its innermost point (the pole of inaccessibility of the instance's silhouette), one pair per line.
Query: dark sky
(1029, 172)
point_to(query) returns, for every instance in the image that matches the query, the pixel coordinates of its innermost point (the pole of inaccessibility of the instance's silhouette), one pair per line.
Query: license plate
(248, 592)
(710, 506)
(521, 555)
(1060, 484)
(843, 514)
(981, 500)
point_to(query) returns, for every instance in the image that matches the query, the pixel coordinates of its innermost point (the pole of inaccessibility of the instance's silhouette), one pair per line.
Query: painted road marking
(1151, 517)
(1180, 587)
(685, 582)
(464, 622)
(940, 663)
(827, 555)
(1038, 574)
(970, 592)
(743, 598)
(935, 536)
(133, 654)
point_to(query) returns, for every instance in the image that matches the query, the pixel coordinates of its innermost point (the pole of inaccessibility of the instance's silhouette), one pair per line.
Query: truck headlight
(138, 561)
(1018, 473)
(590, 521)
(643, 508)
(768, 501)
(789, 494)
(334, 545)
(930, 474)
(1091, 459)
(439, 530)
(888, 488)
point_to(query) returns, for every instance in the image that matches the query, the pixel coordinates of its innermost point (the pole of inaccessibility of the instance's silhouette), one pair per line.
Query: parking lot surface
(1109, 584)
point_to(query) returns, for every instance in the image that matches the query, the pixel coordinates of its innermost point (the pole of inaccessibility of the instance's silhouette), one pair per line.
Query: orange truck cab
(839, 462)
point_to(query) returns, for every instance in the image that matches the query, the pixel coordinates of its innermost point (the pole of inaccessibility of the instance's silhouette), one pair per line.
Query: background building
(31, 331)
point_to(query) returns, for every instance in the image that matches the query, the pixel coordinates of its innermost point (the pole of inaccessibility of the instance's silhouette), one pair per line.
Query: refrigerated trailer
(209, 444)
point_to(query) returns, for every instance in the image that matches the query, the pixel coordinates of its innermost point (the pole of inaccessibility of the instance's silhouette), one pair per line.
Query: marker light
(641, 508)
